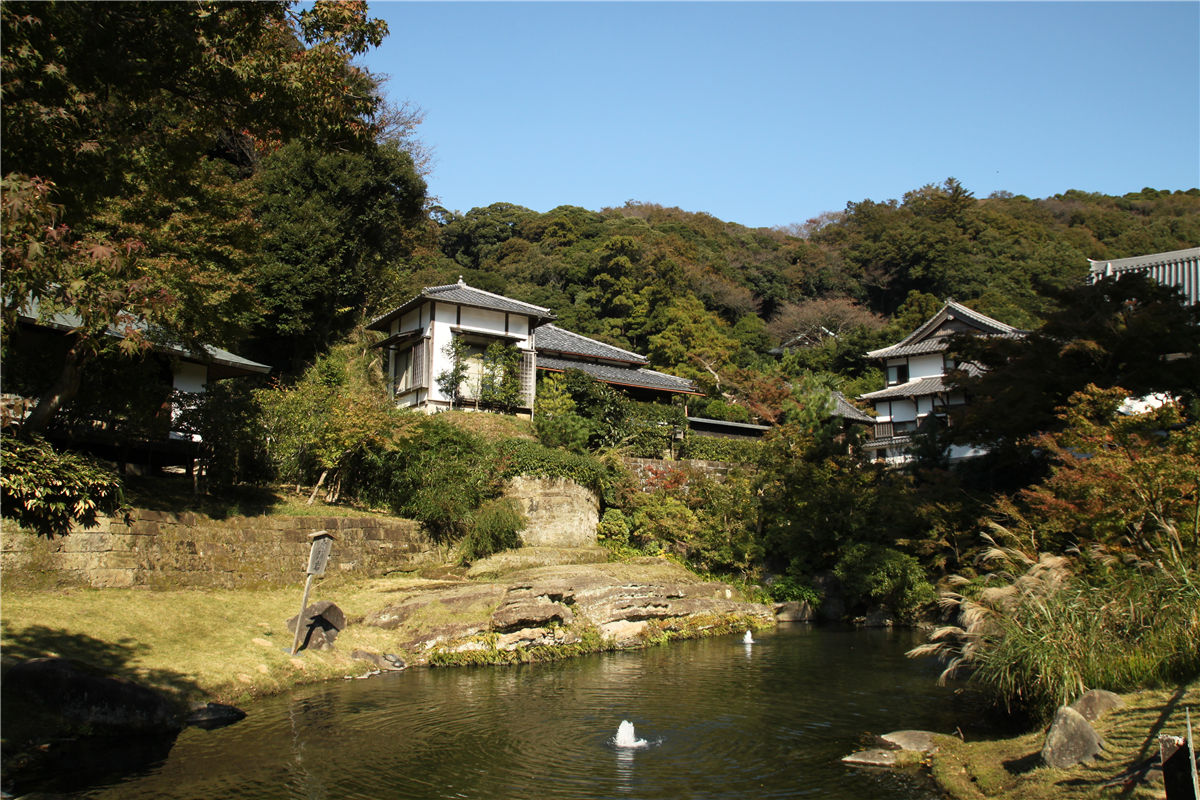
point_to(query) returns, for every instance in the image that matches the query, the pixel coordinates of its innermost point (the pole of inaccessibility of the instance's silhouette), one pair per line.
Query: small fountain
(626, 736)
(748, 639)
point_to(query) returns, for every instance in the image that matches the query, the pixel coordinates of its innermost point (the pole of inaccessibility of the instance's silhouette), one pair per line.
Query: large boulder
(1094, 704)
(214, 715)
(560, 512)
(321, 623)
(794, 611)
(1071, 740)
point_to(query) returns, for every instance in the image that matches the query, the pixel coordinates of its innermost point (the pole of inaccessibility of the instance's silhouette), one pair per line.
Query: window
(897, 373)
(403, 371)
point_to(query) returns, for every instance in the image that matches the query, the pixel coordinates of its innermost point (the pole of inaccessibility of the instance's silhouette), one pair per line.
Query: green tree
(320, 427)
(136, 125)
(336, 226)
(1132, 332)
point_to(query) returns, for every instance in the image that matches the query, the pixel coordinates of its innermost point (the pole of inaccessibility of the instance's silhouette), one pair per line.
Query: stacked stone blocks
(164, 549)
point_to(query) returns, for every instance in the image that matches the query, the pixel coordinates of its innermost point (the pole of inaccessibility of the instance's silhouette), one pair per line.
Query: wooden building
(419, 334)
(917, 388)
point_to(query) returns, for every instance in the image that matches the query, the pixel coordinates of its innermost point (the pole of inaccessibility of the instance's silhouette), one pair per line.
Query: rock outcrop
(626, 604)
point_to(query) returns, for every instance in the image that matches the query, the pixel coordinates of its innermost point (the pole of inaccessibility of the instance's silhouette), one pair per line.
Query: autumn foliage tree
(128, 132)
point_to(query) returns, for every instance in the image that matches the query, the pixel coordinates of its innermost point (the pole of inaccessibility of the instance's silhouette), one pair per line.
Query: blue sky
(772, 113)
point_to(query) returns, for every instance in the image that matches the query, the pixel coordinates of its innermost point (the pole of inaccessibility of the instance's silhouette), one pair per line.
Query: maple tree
(129, 132)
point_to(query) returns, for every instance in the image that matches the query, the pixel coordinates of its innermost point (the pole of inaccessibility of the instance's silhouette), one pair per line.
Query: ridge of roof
(946, 312)
(1100, 265)
(595, 348)
(474, 297)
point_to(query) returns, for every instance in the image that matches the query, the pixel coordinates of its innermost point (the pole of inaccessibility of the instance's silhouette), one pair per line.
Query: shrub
(50, 491)
(614, 526)
(495, 526)
(874, 573)
(711, 448)
(1037, 642)
(523, 457)
(439, 476)
(788, 589)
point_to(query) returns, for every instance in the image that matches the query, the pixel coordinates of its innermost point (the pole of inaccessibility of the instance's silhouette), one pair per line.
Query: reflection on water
(721, 720)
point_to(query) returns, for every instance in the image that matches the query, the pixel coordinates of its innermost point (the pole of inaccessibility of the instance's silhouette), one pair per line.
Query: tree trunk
(320, 483)
(61, 392)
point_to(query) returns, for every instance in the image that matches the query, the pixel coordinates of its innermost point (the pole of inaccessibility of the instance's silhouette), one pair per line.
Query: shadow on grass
(1140, 763)
(1020, 766)
(115, 658)
(175, 494)
(50, 742)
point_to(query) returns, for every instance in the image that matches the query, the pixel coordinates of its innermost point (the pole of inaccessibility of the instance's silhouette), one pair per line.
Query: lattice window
(528, 378)
(419, 368)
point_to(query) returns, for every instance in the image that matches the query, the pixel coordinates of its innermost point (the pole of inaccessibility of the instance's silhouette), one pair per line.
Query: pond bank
(231, 645)
(1012, 769)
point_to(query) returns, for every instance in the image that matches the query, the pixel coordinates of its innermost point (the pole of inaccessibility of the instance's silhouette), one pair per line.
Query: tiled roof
(552, 339)
(641, 378)
(846, 410)
(917, 388)
(465, 295)
(927, 338)
(1179, 268)
(208, 354)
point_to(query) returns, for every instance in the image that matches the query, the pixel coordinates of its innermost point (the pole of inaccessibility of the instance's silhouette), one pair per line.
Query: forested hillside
(703, 297)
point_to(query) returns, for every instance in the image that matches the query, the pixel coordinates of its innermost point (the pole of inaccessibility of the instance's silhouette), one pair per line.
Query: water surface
(721, 719)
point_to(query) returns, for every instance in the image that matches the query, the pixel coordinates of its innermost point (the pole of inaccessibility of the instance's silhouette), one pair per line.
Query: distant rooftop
(1179, 268)
(639, 378)
(64, 321)
(551, 338)
(927, 338)
(465, 295)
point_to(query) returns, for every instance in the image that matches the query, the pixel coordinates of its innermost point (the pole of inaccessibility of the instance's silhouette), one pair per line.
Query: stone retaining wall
(653, 472)
(161, 549)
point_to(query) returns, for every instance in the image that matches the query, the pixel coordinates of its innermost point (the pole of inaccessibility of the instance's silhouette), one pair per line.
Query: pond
(719, 719)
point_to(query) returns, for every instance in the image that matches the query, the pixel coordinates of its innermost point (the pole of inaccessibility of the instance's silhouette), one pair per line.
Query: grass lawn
(1008, 769)
(196, 644)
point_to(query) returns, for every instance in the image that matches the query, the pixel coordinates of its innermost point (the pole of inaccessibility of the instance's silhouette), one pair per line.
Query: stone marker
(1071, 740)
(1095, 703)
(322, 620)
(1177, 774)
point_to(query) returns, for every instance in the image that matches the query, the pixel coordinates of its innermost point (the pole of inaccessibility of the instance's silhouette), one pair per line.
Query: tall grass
(1048, 636)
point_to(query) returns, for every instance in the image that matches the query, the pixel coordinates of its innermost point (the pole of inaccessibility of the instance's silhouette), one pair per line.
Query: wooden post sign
(318, 558)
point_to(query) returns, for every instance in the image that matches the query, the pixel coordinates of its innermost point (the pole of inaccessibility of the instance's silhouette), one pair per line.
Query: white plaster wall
(901, 411)
(925, 366)
(438, 341)
(481, 319)
(189, 377)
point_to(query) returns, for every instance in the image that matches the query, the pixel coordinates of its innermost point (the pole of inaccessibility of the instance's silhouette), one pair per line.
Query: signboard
(318, 557)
